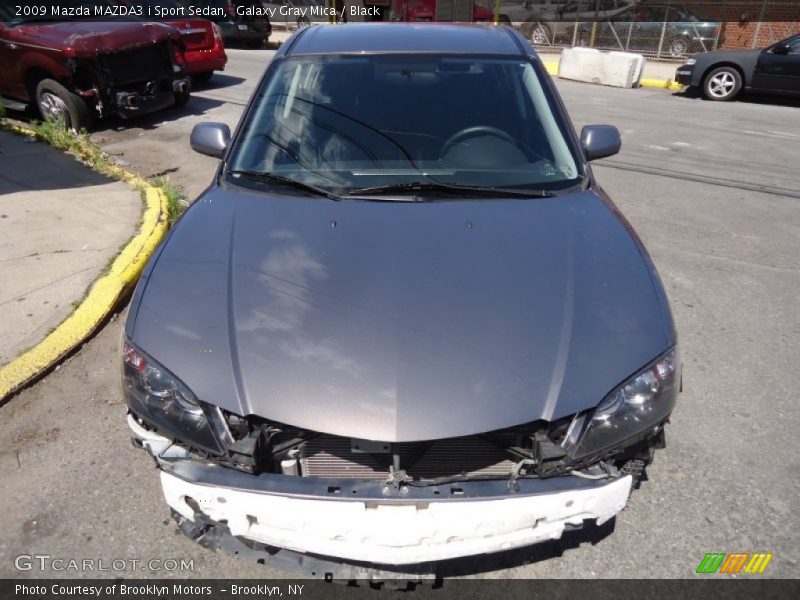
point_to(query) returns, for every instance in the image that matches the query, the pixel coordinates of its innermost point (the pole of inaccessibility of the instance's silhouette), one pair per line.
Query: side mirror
(210, 139)
(600, 141)
(781, 49)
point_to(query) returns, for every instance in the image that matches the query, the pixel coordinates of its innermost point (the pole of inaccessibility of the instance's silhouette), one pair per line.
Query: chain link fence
(661, 29)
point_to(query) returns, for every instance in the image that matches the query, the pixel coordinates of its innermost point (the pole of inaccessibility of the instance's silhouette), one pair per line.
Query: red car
(83, 68)
(426, 10)
(204, 50)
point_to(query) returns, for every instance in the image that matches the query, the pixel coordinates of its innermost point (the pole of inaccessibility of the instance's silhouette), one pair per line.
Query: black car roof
(406, 37)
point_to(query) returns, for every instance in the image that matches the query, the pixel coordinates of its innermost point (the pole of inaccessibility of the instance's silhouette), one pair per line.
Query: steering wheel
(475, 131)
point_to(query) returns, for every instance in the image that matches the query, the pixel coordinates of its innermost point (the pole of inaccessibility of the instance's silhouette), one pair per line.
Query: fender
(40, 60)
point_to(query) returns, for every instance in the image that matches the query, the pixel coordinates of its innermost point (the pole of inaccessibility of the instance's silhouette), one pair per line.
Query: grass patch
(175, 197)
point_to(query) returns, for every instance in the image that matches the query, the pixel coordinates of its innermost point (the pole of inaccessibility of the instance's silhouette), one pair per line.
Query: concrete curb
(103, 297)
(662, 84)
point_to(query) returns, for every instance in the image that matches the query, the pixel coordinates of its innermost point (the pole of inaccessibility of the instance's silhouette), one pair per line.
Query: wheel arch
(36, 73)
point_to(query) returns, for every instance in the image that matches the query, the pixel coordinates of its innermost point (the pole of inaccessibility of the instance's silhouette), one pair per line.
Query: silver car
(404, 323)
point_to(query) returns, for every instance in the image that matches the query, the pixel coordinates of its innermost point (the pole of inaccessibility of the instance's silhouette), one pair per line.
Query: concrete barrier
(581, 64)
(618, 69)
(622, 69)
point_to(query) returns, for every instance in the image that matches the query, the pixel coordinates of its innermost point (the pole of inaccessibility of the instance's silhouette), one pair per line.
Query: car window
(794, 46)
(640, 14)
(675, 16)
(461, 120)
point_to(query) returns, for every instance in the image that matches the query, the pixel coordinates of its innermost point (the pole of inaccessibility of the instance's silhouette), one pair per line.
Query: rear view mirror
(210, 139)
(600, 141)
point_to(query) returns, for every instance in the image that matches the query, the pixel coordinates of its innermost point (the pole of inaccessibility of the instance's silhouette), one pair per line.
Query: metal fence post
(722, 25)
(757, 33)
(663, 30)
(628, 40)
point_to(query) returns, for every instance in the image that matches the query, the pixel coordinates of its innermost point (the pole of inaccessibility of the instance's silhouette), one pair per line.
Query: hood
(398, 321)
(93, 37)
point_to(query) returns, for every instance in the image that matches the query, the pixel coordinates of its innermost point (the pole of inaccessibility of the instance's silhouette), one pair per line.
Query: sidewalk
(60, 224)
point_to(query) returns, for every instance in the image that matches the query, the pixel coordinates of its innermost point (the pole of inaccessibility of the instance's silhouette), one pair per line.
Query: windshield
(352, 122)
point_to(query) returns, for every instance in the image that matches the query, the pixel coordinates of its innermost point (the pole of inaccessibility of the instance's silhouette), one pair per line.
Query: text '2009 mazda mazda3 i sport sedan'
(403, 324)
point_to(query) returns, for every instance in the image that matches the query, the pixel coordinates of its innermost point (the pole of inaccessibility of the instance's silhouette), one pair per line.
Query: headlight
(641, 402)
(691, 61)
(159, 397)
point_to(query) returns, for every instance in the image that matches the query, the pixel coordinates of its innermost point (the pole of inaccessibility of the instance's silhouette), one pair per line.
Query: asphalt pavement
(713, 190)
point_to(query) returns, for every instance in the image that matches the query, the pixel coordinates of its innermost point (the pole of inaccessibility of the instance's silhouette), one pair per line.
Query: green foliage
(175, 197)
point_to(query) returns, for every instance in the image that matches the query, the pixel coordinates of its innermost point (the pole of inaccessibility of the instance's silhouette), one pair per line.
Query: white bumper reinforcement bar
(397, 534)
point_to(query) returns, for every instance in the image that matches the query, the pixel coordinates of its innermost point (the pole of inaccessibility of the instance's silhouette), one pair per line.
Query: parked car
(250, 25)
(202, 39)
(404, 323)
(428, 10)
(723, 75)
(292, 14)
(670, 29)
(548, 24)
(81, 68)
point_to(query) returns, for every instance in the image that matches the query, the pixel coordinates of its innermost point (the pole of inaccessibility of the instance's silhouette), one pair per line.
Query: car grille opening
(137, 65)
(333, 457)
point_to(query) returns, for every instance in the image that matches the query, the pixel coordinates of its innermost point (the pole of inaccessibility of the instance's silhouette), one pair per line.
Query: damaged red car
(82, 67)
(204, 49)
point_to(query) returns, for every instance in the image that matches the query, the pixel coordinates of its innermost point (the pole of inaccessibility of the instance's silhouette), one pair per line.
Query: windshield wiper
(288, 181)
(450, 188)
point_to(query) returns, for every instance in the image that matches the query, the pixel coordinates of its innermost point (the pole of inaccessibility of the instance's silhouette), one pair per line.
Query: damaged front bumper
(360, 521)
(134, 103)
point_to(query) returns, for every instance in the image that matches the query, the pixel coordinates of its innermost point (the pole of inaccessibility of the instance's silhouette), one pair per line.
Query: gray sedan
(404, 324)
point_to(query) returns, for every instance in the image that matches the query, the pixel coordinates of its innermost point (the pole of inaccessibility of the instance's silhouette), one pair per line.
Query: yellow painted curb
(551, 67)
(103, 297)
(664, 84)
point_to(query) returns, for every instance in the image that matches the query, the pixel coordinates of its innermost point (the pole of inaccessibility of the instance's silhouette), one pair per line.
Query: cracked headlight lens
(638, 404)
(156, 395)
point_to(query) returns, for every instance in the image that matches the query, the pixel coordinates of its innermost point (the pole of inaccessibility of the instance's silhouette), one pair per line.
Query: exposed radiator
(331, 456)
(137, 65)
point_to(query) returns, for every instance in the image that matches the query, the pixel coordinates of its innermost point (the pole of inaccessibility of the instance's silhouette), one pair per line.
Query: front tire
(55, 101)
(722, 84)
(181, 98)
(540, 35)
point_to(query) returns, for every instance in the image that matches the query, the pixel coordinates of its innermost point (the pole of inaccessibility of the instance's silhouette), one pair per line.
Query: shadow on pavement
(218, 80)
(746, 98)
(196, 106)
(27, 165)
